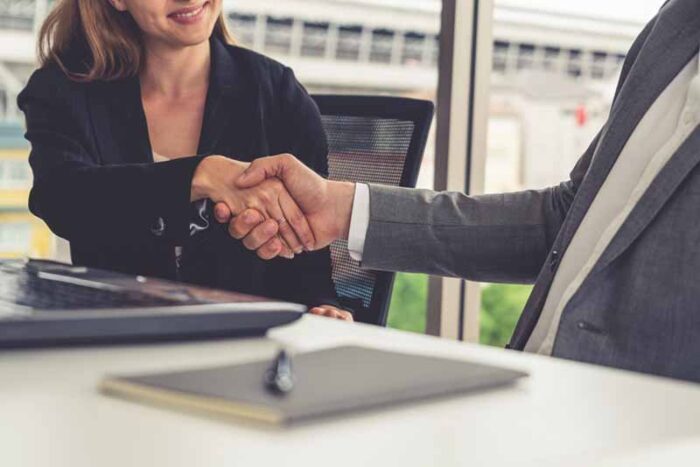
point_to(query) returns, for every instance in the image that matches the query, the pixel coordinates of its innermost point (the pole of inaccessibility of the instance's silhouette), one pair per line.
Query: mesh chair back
(371, 139)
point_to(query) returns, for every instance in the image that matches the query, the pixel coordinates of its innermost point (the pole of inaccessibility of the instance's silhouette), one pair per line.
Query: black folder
(326, 382)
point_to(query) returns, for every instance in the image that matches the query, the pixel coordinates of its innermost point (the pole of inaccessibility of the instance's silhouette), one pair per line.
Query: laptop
(46, 303)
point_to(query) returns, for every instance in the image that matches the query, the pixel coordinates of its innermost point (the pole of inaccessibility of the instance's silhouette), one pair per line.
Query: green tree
(501, 306)
(409, 303)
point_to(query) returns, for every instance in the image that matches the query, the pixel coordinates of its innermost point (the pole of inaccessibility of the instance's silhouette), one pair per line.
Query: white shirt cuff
(359, 222)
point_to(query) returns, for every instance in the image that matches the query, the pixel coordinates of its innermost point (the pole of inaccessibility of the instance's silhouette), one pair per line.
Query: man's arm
(496, 238)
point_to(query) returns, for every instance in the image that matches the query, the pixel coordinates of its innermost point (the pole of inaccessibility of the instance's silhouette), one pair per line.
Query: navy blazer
(95, 183)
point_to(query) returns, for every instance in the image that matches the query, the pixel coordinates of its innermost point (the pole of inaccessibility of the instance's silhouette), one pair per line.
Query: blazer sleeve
(308, 277)
(80, 199)
(491, 238)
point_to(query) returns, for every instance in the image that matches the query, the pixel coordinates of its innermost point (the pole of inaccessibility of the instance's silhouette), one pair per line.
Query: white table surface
(566, 413)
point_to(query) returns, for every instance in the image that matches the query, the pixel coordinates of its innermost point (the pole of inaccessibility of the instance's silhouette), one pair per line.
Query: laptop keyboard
(28, 290)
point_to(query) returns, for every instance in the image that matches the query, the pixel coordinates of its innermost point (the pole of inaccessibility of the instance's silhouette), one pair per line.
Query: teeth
(190, 14)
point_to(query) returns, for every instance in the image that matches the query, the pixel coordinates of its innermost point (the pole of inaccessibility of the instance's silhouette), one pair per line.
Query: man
(614, 251)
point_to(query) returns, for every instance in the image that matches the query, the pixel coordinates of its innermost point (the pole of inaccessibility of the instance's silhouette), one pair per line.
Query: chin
(191, 39)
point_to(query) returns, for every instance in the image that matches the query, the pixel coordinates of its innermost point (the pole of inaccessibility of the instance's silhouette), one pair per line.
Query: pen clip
(279, 378)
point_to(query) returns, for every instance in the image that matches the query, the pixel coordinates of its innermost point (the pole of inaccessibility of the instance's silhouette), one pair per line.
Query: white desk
(565, 413)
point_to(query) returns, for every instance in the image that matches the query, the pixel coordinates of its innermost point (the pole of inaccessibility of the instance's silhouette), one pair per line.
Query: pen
(279, 378)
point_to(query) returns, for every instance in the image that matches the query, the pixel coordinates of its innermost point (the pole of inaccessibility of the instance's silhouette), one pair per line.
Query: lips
(190, 14)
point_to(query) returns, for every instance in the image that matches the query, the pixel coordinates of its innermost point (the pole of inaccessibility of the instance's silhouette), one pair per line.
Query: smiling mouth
(188, 14)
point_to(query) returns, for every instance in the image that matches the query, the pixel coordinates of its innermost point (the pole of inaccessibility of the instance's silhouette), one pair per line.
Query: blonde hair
(100, 42)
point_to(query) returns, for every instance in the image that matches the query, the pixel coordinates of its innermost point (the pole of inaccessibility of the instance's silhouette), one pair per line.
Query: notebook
(326, 382)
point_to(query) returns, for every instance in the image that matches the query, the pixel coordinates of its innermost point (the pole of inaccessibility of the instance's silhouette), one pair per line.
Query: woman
(128, 92)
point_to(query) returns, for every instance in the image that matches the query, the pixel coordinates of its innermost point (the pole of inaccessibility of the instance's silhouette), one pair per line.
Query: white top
(658, 136)
(664, 128)
(565, 413)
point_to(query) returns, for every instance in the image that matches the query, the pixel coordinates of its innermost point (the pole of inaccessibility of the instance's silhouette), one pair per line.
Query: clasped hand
(275, 205)
(266, 204)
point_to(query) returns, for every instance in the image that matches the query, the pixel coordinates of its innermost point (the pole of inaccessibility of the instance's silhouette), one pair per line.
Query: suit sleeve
(82, 200)
(307, 278)
(491, 238)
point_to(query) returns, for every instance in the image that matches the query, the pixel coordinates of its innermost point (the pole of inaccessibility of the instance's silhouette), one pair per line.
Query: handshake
(276, 205)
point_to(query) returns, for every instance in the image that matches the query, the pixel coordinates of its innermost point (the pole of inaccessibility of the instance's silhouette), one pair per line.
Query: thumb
(260, 170)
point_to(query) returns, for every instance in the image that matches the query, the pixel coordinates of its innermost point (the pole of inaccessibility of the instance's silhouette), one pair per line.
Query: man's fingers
(222, 213)
(261, 169)
(242, 225)
(285, 229)
(286, 251)
(297, 221)
(261, 235)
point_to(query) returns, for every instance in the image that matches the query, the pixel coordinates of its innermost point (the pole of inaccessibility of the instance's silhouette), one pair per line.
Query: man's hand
(326, 205)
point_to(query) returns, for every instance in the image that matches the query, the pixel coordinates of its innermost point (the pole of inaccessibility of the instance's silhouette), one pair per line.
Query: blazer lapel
(654, 199)
(672, 44)
(226, 85)
(119, 118)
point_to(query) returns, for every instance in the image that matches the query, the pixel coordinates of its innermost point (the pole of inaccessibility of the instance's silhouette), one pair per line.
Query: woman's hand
(215, 179)
(332, 312)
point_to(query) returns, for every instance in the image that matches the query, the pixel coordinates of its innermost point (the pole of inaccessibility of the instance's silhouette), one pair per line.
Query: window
(244, 27)
(278, 35)
(315, 39)
(15, 238)
(382, 46)
(349, 43)
(414, 49)
(15, 174)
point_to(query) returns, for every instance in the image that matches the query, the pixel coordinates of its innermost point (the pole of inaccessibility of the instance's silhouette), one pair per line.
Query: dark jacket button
(586, 326)
(554, 260)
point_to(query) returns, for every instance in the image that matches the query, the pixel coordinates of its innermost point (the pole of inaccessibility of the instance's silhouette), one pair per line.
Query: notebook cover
(326, 382)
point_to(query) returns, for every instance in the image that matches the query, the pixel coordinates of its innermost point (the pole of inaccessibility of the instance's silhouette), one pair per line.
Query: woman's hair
(91, 40)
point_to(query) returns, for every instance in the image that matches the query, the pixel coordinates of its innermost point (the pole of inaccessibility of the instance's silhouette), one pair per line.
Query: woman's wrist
(213, 175)
(199, 188)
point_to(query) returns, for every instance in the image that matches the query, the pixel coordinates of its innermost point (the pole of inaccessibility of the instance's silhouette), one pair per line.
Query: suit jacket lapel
(672, 44)
(654, 199)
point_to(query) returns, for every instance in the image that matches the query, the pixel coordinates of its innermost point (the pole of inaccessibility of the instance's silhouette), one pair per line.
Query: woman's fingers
(263, 239)
(297, 221)
(242, 225)
(270, 250)
(222, 213)
(261, 235)
(332, 312)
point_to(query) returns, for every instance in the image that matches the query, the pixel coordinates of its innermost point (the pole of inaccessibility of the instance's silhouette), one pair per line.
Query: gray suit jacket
(639, 308)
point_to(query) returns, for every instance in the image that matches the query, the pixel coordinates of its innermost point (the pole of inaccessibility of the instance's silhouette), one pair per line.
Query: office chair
(371, 139)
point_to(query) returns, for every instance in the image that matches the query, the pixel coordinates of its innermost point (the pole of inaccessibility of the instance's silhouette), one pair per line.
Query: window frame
(460, 158)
